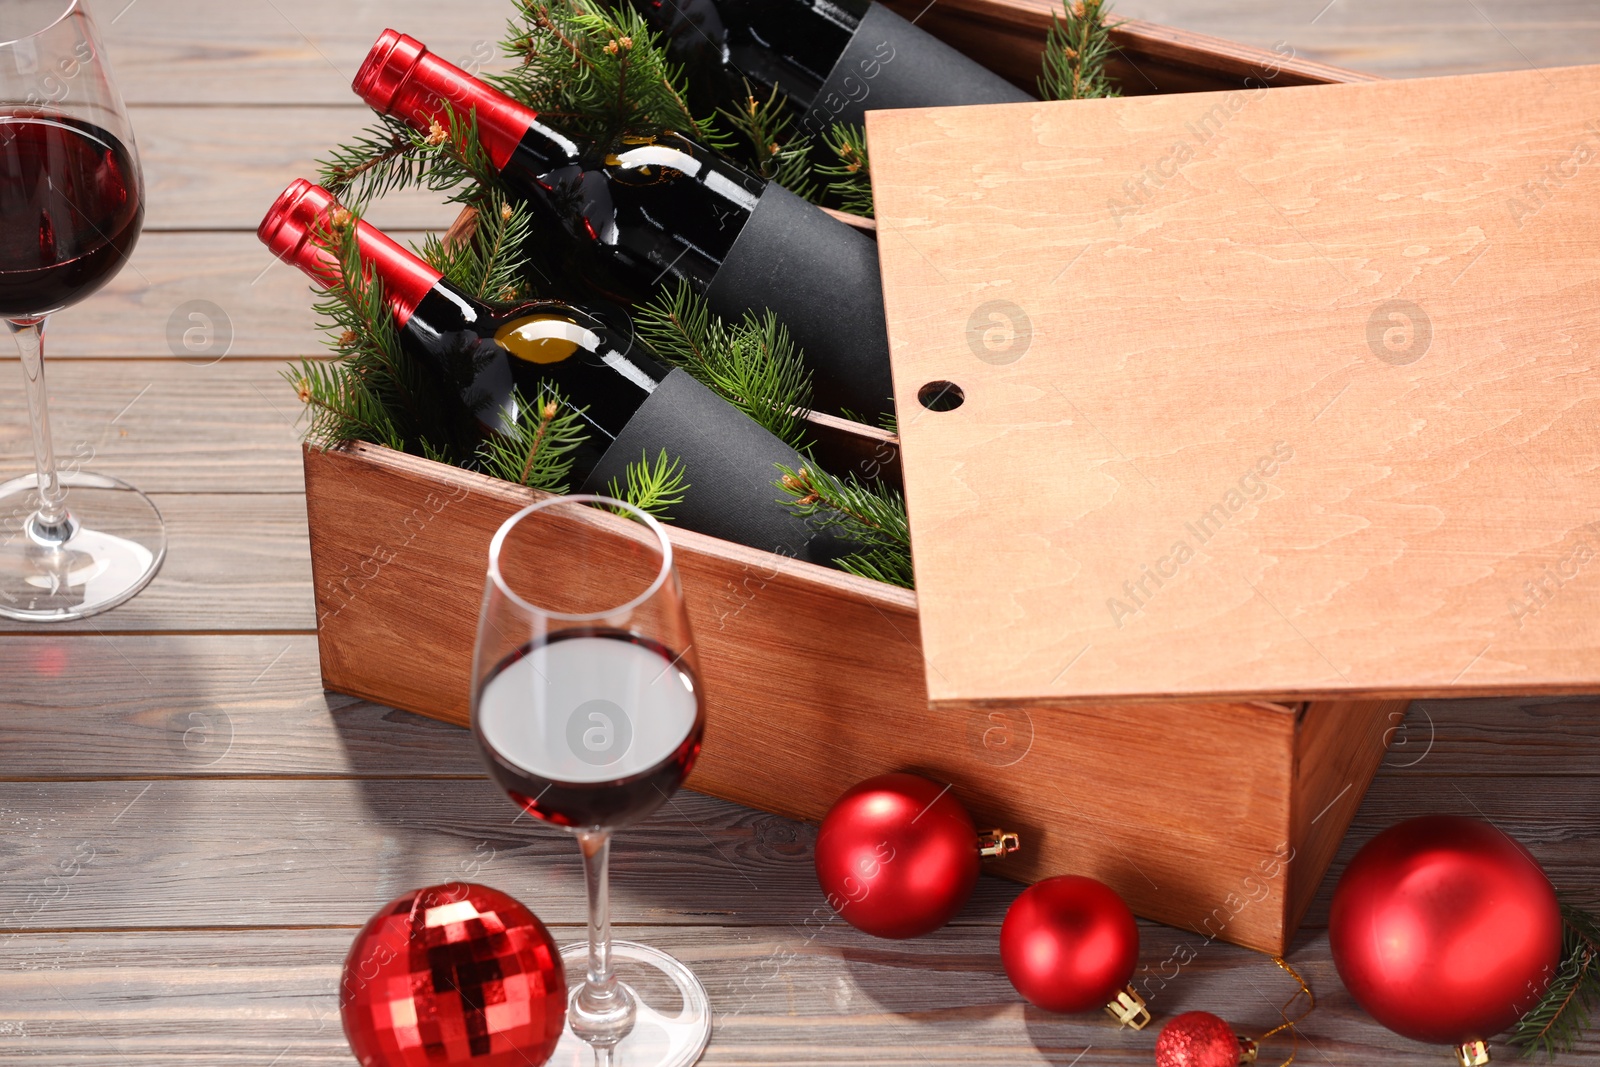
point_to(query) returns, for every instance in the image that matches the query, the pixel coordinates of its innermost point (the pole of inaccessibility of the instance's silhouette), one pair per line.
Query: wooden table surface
(194, 830)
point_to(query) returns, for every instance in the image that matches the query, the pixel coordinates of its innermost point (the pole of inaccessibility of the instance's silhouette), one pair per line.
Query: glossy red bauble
(897, 856)
(1069, 944)
(1197, 1039)
(1445, 930)
(453, 974)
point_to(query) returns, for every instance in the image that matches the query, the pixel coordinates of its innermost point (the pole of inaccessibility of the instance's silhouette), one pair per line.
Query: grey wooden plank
(201, 704)
(780, 994)
(209, 168)
(253, 852)
(252, 705)
(234, 562)
(261, 304)
(166, 426)
(1417, 37)
(282, 52)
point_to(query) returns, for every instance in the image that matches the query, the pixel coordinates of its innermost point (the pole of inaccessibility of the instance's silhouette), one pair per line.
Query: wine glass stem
(51, 522)
(602, 1011)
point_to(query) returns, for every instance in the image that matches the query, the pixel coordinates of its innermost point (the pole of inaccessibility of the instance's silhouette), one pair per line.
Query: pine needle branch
(600, 72)
(870, 515)
(1075, 52)
(770, 145)
(537, 452)
(1564, 1013)
(851, 171)
(754, 365)
(654, 488)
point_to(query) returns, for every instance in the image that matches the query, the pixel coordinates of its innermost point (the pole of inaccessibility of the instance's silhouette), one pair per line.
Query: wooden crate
(1217, 817)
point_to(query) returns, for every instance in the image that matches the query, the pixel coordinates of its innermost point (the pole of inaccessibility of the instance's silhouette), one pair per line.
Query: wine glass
(587, 706)
(71, 206)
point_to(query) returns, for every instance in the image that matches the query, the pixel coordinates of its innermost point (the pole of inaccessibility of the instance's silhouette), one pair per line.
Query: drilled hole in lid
(941, 396)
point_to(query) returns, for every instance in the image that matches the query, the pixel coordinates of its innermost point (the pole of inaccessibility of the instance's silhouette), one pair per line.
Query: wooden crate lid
(1268, 394)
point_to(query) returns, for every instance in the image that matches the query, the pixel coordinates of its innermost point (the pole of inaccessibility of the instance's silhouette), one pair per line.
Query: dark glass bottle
(632, 404)
(829, 60)
(639, 215)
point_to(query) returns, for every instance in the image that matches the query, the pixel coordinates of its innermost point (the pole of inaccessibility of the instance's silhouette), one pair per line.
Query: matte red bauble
(897, 855)
(453, 974)
(1445, 930)
(1069, 944)
(1200, 1039)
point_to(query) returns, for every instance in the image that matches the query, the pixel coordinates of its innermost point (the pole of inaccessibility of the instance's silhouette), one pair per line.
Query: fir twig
(1075, 52)
(390, 156)
(600, 72)
(494, 264)
(851, 173)
(753, 365)
(654, 488)
(1563, 1013)
(777, 156)
(870, 515)
(537, 452)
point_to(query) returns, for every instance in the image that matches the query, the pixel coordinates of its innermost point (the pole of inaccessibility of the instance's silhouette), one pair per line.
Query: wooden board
(1215, 468)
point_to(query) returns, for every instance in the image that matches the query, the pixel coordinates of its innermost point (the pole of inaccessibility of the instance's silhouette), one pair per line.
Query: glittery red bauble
(1197, 1039)
(453, 974)
(897, 856)
(1069, 944)
(1445, 930)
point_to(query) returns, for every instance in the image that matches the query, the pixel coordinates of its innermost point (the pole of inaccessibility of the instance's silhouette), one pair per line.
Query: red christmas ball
(1069, 944)
(1197, 1039)
(453, 974)
(897, 856)
(1445, 930)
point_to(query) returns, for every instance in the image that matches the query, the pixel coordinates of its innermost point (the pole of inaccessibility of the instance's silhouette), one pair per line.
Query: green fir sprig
(537, 449)
(1076, 50)
(597, 72)
(654, 488)
(871, 515)
(754, 364)
(1564, 1013)
(494, 265)
(849, 176)
(766, 130)
(448, 157)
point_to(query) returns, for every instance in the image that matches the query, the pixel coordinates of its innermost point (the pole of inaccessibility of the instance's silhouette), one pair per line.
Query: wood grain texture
(1223, 471)
(813, 682)
(778, 995)
(235, 561)
(165, 425)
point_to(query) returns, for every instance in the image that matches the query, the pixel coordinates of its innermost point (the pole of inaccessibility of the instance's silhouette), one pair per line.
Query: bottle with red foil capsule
(632, 404)
(639, 215)
(828, 60)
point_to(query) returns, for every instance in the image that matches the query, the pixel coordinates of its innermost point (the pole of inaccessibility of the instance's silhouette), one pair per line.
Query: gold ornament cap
(993, 844)
(1472, 1054)
(1247, 1051)
(1128, 1008)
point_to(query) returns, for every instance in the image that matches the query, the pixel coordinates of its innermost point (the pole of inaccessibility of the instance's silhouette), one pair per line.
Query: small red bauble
(1445, 930)
(897, 856)
(1069, 944)
(453, 974)
(1200, 1039)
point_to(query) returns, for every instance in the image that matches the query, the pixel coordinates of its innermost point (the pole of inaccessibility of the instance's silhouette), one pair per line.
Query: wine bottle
(638, 215)
(631, 404)
(828, 60)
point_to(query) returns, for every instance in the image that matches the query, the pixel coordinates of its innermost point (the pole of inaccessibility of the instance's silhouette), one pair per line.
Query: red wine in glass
(70, 210)
(579, 754)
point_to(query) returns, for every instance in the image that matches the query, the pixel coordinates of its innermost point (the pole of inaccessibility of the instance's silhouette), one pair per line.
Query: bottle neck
(405, 278)
(402, 79)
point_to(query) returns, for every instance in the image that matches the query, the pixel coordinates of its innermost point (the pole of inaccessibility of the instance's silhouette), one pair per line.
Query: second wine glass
(588, 709)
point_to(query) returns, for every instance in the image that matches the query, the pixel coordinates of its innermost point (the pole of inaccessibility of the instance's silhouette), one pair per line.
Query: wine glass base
(117, 546)
(674, 1015)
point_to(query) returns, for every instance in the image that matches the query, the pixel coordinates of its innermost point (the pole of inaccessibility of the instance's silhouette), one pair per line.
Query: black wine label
(820, 277)
(889, 63)
(731, 465)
